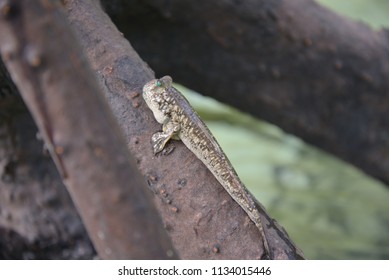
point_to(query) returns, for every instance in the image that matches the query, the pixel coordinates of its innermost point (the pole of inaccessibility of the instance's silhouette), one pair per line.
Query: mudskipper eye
(159, 83)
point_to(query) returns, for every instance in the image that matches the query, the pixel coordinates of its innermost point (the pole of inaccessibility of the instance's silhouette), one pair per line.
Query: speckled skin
(180, 121)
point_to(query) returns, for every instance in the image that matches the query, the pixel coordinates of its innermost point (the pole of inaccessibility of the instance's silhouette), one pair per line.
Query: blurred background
(329, 208)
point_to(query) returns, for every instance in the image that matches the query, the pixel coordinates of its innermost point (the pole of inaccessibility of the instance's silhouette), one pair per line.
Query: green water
(373, 12)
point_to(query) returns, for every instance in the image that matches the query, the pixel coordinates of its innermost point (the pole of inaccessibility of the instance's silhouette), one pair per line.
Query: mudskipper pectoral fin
(159, 140)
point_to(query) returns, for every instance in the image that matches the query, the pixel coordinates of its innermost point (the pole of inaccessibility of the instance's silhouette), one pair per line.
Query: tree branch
(85, 142)
(37, 217)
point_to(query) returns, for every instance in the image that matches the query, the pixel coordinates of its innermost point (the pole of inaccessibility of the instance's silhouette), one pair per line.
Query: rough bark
(37, 217)
(63, 96)
(296, 64)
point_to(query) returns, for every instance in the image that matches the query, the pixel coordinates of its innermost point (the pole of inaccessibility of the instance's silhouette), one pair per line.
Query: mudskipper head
(153, 90)
(154, 93)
